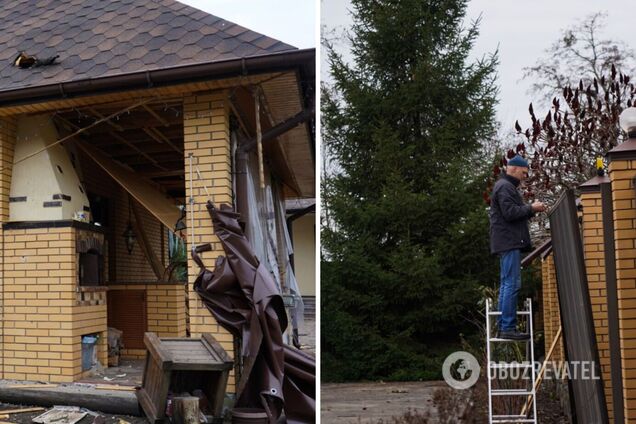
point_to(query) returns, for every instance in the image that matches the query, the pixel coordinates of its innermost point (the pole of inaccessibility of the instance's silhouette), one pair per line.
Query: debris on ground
(61, 415)
(115, 377)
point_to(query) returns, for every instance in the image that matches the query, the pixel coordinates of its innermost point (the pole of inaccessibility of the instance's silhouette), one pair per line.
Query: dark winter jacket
(509, 217)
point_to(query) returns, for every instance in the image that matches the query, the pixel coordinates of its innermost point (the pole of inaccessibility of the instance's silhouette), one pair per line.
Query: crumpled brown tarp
(244, 299)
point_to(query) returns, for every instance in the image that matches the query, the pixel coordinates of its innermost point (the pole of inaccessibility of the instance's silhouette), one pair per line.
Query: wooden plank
(163, 208)
(537, 383)
(162, 395)
(197, 366)
(219, 393)
(147, 405)
(144, 243)
(20, 411)
(157, 351)
(115, 387)
(221, 354)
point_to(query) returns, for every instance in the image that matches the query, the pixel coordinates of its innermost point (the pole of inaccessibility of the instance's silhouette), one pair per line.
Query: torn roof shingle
(97, 38)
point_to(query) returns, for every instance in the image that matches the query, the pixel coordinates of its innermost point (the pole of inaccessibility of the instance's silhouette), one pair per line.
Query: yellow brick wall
(207, 138)
(621, 173)
(7, 143)
(551, 309)
(43, 323)
(593, 249)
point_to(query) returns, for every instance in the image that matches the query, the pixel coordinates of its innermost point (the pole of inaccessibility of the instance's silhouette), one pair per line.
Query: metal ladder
(519, 418)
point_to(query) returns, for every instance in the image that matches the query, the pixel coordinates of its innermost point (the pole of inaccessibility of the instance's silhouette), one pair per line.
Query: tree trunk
(185, 410)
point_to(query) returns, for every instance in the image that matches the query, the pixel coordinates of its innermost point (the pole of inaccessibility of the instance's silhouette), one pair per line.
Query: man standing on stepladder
(509, 236)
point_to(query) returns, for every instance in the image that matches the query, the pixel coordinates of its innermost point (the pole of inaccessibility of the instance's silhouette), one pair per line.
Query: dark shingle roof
(97, 38)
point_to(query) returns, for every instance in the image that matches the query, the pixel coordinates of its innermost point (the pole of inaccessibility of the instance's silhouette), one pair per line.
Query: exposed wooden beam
(82, 130)
(175, 185)
(138, 150)
(157, 135)
(123, 151)
(144, 244)
(156, 116)
(146, 167)
(111, 123)
(174, 173)
(68, 124)
(161, 159)
(280, 129)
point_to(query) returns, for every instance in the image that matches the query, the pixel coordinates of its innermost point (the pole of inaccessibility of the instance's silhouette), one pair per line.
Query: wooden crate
(180, 365)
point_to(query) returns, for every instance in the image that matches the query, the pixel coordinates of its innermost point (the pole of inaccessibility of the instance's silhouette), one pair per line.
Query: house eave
(281, 61)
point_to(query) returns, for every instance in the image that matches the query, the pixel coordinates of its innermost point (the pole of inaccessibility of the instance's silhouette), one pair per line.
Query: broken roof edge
(303, 59)
(546, 246)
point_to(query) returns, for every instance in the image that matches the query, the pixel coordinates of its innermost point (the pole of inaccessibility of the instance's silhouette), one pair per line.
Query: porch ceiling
(147, 140)
(290, 155)
(284, 100)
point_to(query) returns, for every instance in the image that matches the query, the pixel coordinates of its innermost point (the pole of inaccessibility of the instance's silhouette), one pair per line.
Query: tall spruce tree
(405, 231)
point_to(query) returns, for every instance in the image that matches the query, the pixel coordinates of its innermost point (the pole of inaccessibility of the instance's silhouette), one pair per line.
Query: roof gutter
(275, 62)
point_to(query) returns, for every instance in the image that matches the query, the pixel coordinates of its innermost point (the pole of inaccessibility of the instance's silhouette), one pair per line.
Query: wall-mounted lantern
(129, 234)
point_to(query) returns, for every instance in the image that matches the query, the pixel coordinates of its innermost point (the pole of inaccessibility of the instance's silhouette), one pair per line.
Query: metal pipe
(191, 232)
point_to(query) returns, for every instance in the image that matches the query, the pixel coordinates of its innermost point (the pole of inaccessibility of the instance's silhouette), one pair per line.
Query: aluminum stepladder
(519, 418)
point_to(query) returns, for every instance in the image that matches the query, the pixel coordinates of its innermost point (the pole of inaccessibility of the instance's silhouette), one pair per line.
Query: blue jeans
(510, 279)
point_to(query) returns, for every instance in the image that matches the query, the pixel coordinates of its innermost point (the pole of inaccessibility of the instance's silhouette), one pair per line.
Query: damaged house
(109, 155)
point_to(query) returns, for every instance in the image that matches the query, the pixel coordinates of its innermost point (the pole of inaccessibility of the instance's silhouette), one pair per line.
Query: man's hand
(538, 207)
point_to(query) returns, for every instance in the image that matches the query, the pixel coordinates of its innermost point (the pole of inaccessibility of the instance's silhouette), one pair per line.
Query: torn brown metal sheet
(576, 313)
(157, 203)
(244, 299)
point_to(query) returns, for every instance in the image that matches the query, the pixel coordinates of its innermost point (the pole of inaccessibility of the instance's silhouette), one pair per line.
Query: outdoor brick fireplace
(46, 310)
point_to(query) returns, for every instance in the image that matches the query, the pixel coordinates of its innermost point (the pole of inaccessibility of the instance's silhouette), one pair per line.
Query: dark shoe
(513, 335)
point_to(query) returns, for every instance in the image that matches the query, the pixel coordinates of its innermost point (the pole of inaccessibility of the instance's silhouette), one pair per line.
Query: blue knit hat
(518, 161)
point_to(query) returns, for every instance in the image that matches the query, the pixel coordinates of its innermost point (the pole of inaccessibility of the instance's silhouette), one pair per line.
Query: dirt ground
(366, 403)
(370, 402)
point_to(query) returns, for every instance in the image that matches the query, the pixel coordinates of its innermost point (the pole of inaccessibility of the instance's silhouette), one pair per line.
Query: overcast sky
(291, 21)
(522, 30)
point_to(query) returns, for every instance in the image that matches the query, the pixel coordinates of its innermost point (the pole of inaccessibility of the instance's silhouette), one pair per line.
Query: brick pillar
(7, 144)
(206, 128)
(593, 248)
(551, 309)
(622, 170)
